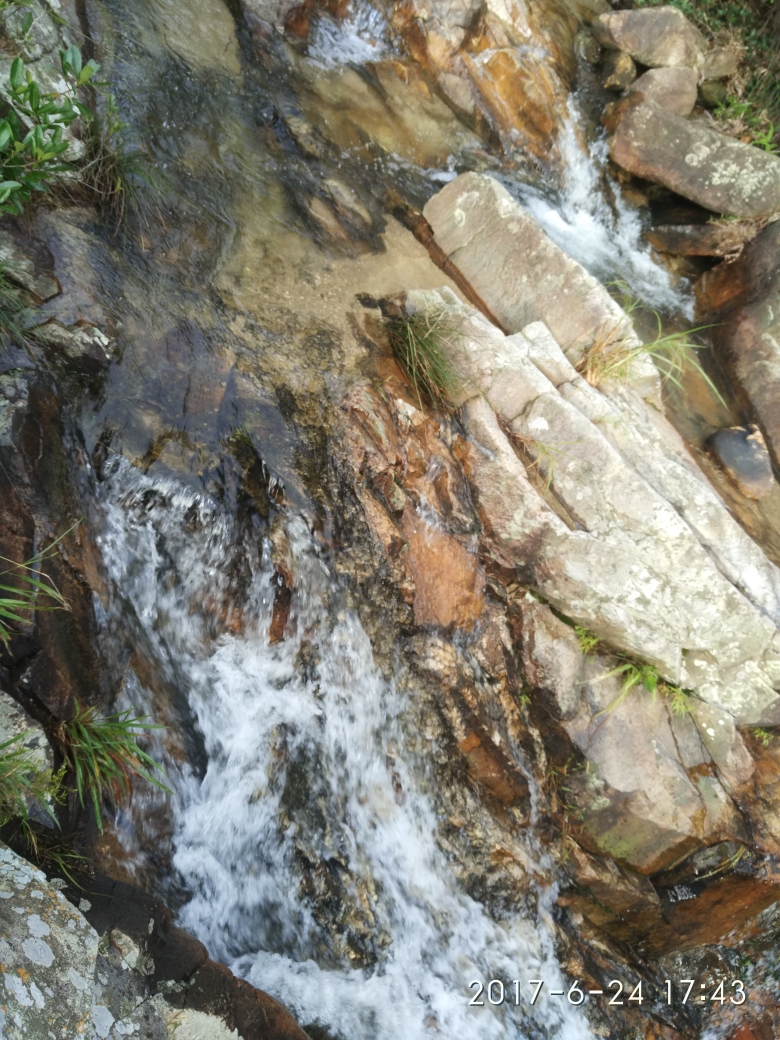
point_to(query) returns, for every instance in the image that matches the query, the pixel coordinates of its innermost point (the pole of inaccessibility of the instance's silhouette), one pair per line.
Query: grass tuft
(419, 343)
(612, 357)
(105, 755)
(25, 589)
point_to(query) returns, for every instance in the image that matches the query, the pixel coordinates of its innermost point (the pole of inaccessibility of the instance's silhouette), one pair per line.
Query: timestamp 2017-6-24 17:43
(615, 993)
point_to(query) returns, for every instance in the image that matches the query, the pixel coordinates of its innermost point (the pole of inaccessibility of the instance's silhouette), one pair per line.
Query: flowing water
(301, 780)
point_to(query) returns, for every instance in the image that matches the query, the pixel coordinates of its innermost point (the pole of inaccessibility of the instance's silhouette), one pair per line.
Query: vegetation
(13, 312)
(31, 134)
(763, 736)
(105, 756)
(419, 342)
(612, 356)
(30, 590)
(750, 29)
(22, 780)
(634, 675)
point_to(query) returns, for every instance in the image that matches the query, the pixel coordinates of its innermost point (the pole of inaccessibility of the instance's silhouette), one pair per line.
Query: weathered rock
(83, 347)
(715, 171)
(719, 63)
(448, 581)
(654, 36)
(619, 71)
(602, 546)
(15, 722)
(479, 57)
(507, 258)
(742, 454)
(728, 287)
(701, 239)
(672, 88)
(18, 267)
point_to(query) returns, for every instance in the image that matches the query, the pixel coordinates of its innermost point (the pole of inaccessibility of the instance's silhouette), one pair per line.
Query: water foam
(169, 553)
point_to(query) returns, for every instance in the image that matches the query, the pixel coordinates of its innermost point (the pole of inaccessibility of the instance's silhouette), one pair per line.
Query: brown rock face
(673, 89)
(654, 36)
(715, 171)
(481, 61)
(744, 296)
(448, 580)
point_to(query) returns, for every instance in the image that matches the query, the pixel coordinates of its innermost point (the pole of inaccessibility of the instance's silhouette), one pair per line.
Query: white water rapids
(167, 551)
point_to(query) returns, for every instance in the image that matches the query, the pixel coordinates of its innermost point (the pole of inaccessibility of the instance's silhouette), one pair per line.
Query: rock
(654, 36)
(619, 71)
(479, 56)
(296, 22)
(609, 538)
(17, 266)
(507, 257)
(742, 453)
(588, 47)
(587, 10)
(715, 171)
(701, 239)
(448, 580)
(712, 93)
(744, 297)
(82, 347)
(672, 88)
(719, 63)
(14, 722)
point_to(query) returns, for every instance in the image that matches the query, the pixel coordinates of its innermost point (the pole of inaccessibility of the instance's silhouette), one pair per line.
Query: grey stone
(742, 453)
(672, 88)
(719, 63)
(652, 36)
(699, 163)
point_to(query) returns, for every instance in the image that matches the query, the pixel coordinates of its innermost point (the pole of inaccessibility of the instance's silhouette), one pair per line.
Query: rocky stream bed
(387, 639)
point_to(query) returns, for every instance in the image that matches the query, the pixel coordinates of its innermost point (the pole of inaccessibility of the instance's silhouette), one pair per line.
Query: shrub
(19, 600)
(31, 134)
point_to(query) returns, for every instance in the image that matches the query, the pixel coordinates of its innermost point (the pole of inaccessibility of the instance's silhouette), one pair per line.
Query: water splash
(361, 37)
(322, 732)
(606, 238)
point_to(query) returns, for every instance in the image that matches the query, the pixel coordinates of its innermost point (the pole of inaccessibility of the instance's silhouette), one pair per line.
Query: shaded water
(301, 776)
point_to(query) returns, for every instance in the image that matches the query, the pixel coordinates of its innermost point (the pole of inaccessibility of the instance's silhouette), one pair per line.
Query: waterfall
(334, 726)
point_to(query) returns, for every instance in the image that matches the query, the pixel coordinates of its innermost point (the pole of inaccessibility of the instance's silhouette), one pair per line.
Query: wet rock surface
(742, 453)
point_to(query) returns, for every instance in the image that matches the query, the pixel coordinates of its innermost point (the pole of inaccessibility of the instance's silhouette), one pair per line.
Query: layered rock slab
(642, 552)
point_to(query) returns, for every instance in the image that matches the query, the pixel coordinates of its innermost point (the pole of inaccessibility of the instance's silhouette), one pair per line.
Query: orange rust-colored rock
(448, 579)
(491, 770)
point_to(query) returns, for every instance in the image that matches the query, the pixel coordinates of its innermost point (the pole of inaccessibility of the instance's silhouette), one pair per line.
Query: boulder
(654, 36)
(744, 300)
(672, 88)
(699, 163)
(719, 63)
(619, 71)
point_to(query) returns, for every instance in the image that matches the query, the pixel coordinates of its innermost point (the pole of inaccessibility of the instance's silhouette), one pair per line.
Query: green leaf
(27, 22)
(87, 72)
(16, 74)
(9, 185)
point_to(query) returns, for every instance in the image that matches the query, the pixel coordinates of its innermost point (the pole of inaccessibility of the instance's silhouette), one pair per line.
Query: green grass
(634, 675)
(105, 756)
(22, 780)
(25, 589)
(763, 736)
(612, 357)
(419, 343)
(13, 314)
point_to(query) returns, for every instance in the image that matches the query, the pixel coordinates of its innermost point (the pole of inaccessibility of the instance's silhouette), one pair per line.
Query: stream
(307, 751)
